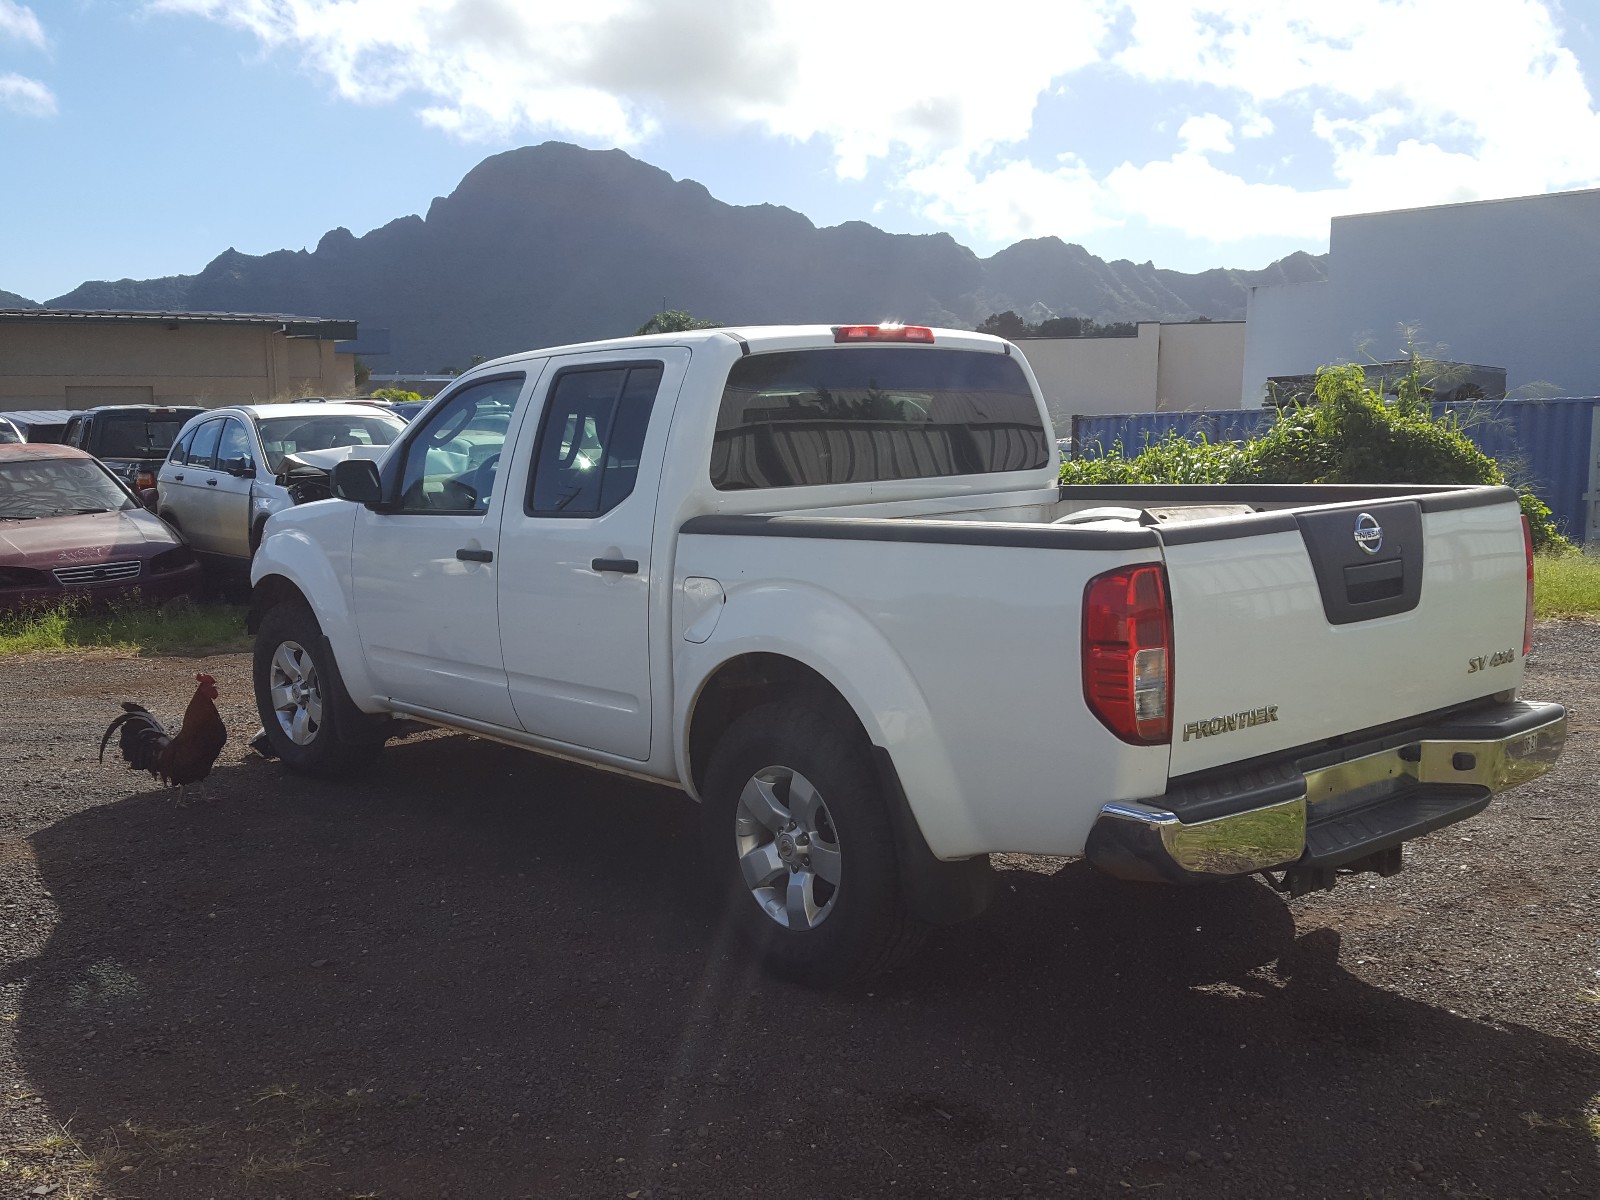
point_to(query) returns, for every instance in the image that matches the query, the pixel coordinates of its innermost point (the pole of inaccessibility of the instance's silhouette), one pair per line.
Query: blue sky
(143, 137)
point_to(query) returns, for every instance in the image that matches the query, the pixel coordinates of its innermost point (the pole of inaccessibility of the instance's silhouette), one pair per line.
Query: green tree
(674, 320)
(1006, 325)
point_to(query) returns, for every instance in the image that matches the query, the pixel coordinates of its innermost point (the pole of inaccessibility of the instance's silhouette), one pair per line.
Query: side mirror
(150, 498)
(240, 468)
(357, 480)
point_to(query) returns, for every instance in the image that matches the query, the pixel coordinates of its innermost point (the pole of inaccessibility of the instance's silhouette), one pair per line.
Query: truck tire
(309, 720)
(801, 847)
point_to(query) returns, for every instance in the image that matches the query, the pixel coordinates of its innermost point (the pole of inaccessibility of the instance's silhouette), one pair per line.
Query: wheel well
(269, 593)
(256, 531)
(743, 683)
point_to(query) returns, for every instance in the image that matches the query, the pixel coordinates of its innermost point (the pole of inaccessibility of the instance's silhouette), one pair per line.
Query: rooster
(180, 759)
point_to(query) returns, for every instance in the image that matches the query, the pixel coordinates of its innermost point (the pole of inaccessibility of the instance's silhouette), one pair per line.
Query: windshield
(57, 487)
(135, 435)
(323, 431)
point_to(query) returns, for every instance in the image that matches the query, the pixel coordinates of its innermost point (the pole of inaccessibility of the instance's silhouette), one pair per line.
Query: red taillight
(1527, 611)
(144, 479)
(882, 333)
(1127, 653)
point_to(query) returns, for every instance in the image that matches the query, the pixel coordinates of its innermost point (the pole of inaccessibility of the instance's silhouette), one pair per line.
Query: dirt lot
(480, 974)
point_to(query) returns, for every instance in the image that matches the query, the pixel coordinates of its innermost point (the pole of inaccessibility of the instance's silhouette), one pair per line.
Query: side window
(452, 460)
(180, 449)
(69, 436)
(233, 451)
(589, 443)
(204, 446)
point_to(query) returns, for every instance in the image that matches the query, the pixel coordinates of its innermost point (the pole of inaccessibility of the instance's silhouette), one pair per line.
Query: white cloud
(872, 80)
(1399, 102)
(25, 96)
(1209, 134)
(17, 21)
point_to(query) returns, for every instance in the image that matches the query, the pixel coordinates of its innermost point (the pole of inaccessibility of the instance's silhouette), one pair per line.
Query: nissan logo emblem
(1369, 534)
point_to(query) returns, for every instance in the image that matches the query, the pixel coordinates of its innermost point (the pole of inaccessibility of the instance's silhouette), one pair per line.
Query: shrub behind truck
(823, 579)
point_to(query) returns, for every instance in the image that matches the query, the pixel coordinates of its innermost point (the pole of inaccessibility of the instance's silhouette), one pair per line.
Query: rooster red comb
(205, 679)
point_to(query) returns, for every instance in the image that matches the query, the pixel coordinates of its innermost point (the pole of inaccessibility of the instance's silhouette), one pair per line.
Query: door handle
(622, 566)
(211, 483)
(468, 555)
(177, 479)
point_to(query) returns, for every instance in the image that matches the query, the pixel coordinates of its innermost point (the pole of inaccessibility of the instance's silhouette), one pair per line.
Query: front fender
(820, 631)
(309, 547)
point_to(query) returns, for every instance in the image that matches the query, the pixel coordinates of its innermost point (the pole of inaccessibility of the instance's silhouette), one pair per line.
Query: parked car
(130, 439)
(10, 435)
(220, 481)
(69, 528)
(826, 581)
(40, 424)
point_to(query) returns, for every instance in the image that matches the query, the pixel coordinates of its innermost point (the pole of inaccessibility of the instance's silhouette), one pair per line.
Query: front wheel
(308, 719)
(801, 846)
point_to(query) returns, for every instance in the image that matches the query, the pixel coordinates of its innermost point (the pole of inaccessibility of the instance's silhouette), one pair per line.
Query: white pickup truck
(824, 580)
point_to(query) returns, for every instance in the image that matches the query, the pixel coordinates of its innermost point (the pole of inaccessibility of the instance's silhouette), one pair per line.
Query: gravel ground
(477, 973)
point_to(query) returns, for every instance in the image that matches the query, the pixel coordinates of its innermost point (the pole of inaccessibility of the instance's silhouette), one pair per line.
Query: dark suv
(132, 440)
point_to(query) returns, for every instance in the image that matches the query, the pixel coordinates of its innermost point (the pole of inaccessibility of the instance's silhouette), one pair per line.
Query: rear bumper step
(1323, 811)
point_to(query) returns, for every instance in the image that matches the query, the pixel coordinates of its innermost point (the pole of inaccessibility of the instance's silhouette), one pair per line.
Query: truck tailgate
(1293, 627)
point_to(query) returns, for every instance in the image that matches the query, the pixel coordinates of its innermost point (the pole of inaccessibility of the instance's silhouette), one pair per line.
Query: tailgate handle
(1374, 581)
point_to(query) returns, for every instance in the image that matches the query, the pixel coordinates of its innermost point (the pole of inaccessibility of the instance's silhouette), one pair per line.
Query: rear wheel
(801, 846)
(308, 718)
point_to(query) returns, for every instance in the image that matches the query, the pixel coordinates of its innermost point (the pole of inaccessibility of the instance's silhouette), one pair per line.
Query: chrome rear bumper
(1327, 810)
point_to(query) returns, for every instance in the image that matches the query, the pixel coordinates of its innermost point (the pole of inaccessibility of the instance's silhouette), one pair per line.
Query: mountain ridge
(550, 244)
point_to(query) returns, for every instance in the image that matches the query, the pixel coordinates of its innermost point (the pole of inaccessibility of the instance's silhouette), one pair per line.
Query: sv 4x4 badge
(1498, 659)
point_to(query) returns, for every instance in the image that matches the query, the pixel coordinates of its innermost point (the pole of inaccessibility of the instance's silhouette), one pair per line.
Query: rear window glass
(861, 414)
(135, 435)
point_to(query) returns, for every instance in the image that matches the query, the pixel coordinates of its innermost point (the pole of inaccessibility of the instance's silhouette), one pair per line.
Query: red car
(69, 528)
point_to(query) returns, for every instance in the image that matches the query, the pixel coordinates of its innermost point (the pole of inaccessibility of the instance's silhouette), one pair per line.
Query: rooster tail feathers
(142, 737)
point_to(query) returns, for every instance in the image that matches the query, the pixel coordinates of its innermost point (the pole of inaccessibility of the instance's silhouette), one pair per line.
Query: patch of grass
(210, 628)
(1566, 585)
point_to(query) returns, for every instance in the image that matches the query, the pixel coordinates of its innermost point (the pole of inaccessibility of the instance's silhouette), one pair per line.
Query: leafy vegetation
(1009, 325)
(67, 628)
(674, 320)
(396, 395)
(1351, 435)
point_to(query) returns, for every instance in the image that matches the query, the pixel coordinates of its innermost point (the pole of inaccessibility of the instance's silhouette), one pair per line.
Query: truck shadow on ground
(478, 973)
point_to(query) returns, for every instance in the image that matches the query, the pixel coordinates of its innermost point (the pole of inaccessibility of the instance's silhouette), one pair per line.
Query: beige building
(60, 358)
(1194, 365)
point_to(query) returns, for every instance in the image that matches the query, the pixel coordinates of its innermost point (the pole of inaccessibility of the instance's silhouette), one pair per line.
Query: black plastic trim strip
(1187, 533)
(1433, 497)
(1475, 497)
(744, 346)
(953, 533)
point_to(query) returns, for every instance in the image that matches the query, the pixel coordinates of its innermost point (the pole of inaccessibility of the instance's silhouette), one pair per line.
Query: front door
(425, 576)
(575, 585)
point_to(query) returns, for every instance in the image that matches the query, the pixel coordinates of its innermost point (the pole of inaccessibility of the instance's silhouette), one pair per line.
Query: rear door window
(861, 414)
(204, 446)
(589, 444)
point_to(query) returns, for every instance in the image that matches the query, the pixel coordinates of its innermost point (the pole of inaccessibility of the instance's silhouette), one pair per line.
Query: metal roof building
(79, 358)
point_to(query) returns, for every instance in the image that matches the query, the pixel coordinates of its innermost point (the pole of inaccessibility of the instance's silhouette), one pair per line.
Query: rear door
(577, 550)
(1338, 619)
(188, 487)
